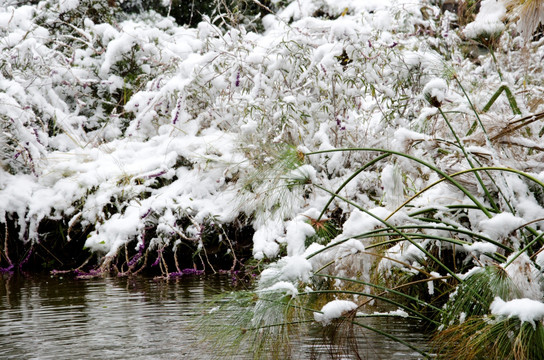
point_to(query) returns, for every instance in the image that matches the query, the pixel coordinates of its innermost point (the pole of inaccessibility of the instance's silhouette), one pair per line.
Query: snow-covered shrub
(74, 80)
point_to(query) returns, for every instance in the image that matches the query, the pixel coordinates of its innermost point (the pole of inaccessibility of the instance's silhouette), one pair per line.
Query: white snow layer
(488, 22)
(282, 286)
(525, 275)
(480, 247)
(526, 310)
(501, 225)
(360, 222)
(297, 230)
(393, 186)
(333, 310)
(436, 89)
(293, 269)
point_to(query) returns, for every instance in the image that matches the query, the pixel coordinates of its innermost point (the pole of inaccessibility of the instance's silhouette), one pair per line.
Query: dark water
(138, 318)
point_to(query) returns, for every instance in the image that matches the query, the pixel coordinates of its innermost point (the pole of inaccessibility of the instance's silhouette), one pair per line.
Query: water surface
(139, 318)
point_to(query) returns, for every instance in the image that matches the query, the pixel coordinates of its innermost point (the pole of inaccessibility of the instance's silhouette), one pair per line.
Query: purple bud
(178, 109)
(323, 68)
(146, 214)
(160, 173)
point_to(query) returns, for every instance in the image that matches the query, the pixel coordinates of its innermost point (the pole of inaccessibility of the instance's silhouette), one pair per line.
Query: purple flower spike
(178, 110)
(25, 260)
(9, 269)
(190, 271)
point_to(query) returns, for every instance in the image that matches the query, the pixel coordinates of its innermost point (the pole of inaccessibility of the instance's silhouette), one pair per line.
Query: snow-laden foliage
(83, 105)
(371, 146)
(139, 121)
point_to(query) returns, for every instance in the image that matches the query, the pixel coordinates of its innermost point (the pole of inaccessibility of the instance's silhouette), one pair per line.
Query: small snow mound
(303, 174)
(398, 312)
(249, 128)
(334, 310)
(501, 225)
(297, 231)
(393, 186)
(282, 286)
(435, 90)
(525, 275)
(488, 21)
(526, 310)
(350, 247)
(289, 268)
(68, 5)
(360, 222)
(480, 247)
(264, 240)
(404, 138)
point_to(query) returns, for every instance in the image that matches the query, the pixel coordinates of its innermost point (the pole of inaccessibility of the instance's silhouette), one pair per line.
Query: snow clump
(435, 91)
(334, 310)
(526, 310)
(501, 225)
(488, 22)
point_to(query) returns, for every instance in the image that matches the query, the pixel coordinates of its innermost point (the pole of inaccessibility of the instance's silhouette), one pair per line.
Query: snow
(526, 310)
(399, 255)
(282, 286)
(289, 268)
(360, 222)
(501, 225)
(525, 275)
(264, 239)
(334, 310)
(249, 128)
(480, 247)
(393, 186)
(398, 312)
(304, 173)
(67, 5)
(530, 211)
(488, 22)
(430, 284)
(297, 231)
(436, 89)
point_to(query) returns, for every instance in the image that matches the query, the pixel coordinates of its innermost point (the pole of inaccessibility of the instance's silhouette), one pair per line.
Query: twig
(518, 124)
(6, 254)
(263, 6)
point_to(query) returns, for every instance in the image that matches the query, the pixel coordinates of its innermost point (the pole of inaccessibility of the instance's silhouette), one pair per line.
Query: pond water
(139, 318)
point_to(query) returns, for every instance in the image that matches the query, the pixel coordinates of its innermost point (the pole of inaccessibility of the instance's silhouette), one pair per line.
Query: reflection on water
(56, 318)
(136, 318)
